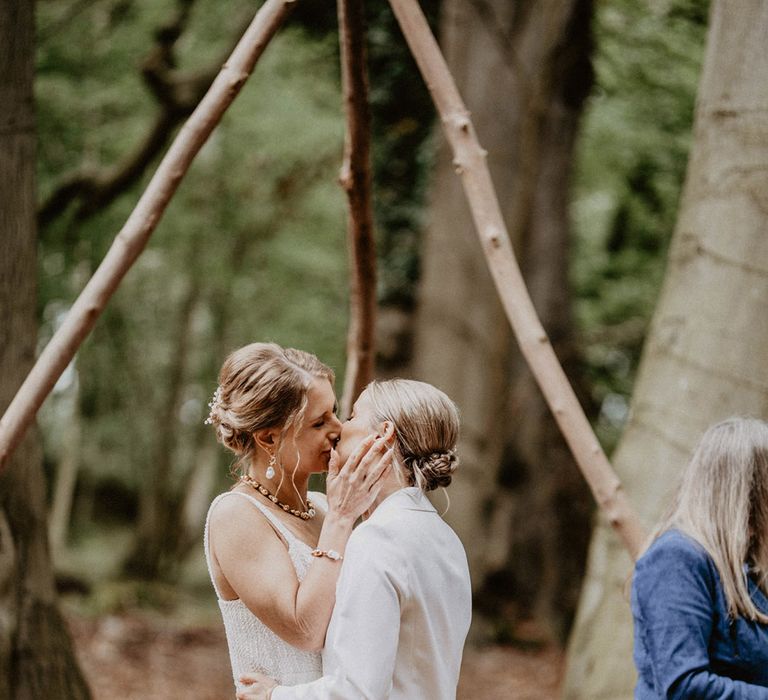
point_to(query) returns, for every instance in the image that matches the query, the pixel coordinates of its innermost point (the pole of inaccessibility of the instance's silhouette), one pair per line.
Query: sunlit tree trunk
(707, 351)
(36, 657)
(523, 69)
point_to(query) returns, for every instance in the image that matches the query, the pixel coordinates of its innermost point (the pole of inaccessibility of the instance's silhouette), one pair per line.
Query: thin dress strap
(281, 529)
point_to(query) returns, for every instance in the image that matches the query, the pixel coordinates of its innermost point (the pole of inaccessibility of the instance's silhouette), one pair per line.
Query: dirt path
(138, 657)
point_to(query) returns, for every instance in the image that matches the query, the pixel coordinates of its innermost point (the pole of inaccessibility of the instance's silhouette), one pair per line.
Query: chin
(322, 464)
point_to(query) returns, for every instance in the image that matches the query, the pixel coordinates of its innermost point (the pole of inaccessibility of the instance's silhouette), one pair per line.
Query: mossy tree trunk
(36, 656)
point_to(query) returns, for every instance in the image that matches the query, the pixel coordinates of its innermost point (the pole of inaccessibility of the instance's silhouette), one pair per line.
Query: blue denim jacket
(685, 644)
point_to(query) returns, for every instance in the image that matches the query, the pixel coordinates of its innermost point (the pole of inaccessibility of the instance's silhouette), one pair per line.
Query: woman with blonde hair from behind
(700, 591)
(403, 602)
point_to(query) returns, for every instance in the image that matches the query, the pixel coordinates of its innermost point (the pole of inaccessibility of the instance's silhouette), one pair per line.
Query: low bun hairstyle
(433, 470)
(426, 424)
(261, 385)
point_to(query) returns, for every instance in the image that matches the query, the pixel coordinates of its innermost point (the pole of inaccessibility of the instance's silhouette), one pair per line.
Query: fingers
(378, 470)
(260, 683)
(359, 452)
(370, 459)
(334, 463)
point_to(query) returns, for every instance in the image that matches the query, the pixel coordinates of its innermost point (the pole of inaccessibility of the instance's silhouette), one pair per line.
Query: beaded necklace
(303, 514)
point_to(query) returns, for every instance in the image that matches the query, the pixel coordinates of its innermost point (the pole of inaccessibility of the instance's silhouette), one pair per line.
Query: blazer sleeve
(674, 591)
(362, 640)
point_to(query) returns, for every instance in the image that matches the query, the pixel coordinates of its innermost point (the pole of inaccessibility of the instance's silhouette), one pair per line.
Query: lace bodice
(252, 645)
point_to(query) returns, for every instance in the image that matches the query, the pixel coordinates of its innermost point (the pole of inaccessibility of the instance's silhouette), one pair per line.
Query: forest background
(586, 111)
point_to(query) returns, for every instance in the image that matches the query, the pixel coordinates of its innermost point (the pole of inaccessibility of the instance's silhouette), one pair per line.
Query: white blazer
(403, 607)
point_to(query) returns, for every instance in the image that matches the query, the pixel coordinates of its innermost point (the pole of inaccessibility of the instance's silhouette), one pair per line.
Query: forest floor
(138, 655)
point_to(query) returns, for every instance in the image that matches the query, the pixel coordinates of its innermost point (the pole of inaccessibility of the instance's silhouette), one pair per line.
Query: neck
(394, 482)
(288, 488)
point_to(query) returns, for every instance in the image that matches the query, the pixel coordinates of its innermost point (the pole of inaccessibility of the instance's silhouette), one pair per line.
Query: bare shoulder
(236, 513)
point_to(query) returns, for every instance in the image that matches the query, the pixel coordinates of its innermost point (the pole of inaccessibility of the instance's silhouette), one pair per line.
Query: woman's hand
(259, 685)
(352, 488)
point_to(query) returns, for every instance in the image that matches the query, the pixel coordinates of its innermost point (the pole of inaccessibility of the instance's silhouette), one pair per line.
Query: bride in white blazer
(403, 599)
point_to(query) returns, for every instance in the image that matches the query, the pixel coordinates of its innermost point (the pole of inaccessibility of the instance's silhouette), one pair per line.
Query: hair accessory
(213, 404)
(271, 467)
(303, 514)
(330, 553)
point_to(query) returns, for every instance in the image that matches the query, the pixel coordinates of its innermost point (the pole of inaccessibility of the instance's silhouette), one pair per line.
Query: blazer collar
(410, 498)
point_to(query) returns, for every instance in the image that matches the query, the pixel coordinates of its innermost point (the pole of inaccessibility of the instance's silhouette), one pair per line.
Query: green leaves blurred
(256, 231)
(632, 156)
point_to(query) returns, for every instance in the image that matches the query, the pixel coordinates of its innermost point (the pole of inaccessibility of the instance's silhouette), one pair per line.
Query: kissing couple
(314, 607)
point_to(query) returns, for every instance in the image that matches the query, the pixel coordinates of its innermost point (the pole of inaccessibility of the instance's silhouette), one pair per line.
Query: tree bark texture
(524, 69)
(356, 181)
(36, 655)
(707, 351)
(133, 237)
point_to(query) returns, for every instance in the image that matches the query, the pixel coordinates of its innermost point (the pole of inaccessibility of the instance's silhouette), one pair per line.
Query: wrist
(344, 521)
(331, 554)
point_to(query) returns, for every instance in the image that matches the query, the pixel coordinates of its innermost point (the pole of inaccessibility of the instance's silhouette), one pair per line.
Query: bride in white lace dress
(273, 549)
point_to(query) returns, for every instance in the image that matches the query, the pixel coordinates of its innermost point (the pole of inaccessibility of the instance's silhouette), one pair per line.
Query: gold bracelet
(330, 553)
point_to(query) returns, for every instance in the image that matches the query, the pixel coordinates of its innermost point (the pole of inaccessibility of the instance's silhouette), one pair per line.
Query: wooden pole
(355, 178)
(470, 163)
(133, 237)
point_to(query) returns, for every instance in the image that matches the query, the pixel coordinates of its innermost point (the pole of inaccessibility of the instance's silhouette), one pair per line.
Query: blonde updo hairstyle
(426, 424)
(262, 385)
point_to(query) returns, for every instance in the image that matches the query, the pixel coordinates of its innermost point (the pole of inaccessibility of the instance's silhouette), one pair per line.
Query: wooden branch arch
(469, 159)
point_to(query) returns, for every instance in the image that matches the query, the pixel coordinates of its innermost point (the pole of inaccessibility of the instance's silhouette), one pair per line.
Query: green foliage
(255, 234)
(402, 120)
(254, 241)
(631, 163)
(403, 117)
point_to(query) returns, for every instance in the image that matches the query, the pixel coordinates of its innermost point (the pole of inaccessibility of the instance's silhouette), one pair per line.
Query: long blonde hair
(722, 502)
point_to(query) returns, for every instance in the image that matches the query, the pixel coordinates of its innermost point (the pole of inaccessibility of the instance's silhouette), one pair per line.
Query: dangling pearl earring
(271, 467)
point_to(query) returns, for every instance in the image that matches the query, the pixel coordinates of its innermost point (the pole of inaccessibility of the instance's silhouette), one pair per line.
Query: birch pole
(133, 237)
(355, 178)
(470, 164)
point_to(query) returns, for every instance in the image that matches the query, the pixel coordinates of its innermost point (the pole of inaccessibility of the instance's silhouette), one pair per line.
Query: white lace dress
(252, 645)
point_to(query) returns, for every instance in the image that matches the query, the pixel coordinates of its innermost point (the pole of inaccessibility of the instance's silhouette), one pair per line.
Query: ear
(266, 438)
(388, 431)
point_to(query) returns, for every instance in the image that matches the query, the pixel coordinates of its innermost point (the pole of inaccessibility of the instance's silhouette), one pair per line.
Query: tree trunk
(36, 656)
(66, 476)
(543, 478)
(530, 63)
(706, 353)
(158, 532)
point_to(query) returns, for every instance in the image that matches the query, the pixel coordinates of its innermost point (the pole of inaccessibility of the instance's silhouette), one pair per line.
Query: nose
(335, 429)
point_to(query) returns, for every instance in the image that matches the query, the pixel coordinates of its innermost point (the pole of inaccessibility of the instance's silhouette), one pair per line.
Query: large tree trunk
(36, 658)
(523, 69)
(706, 355)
